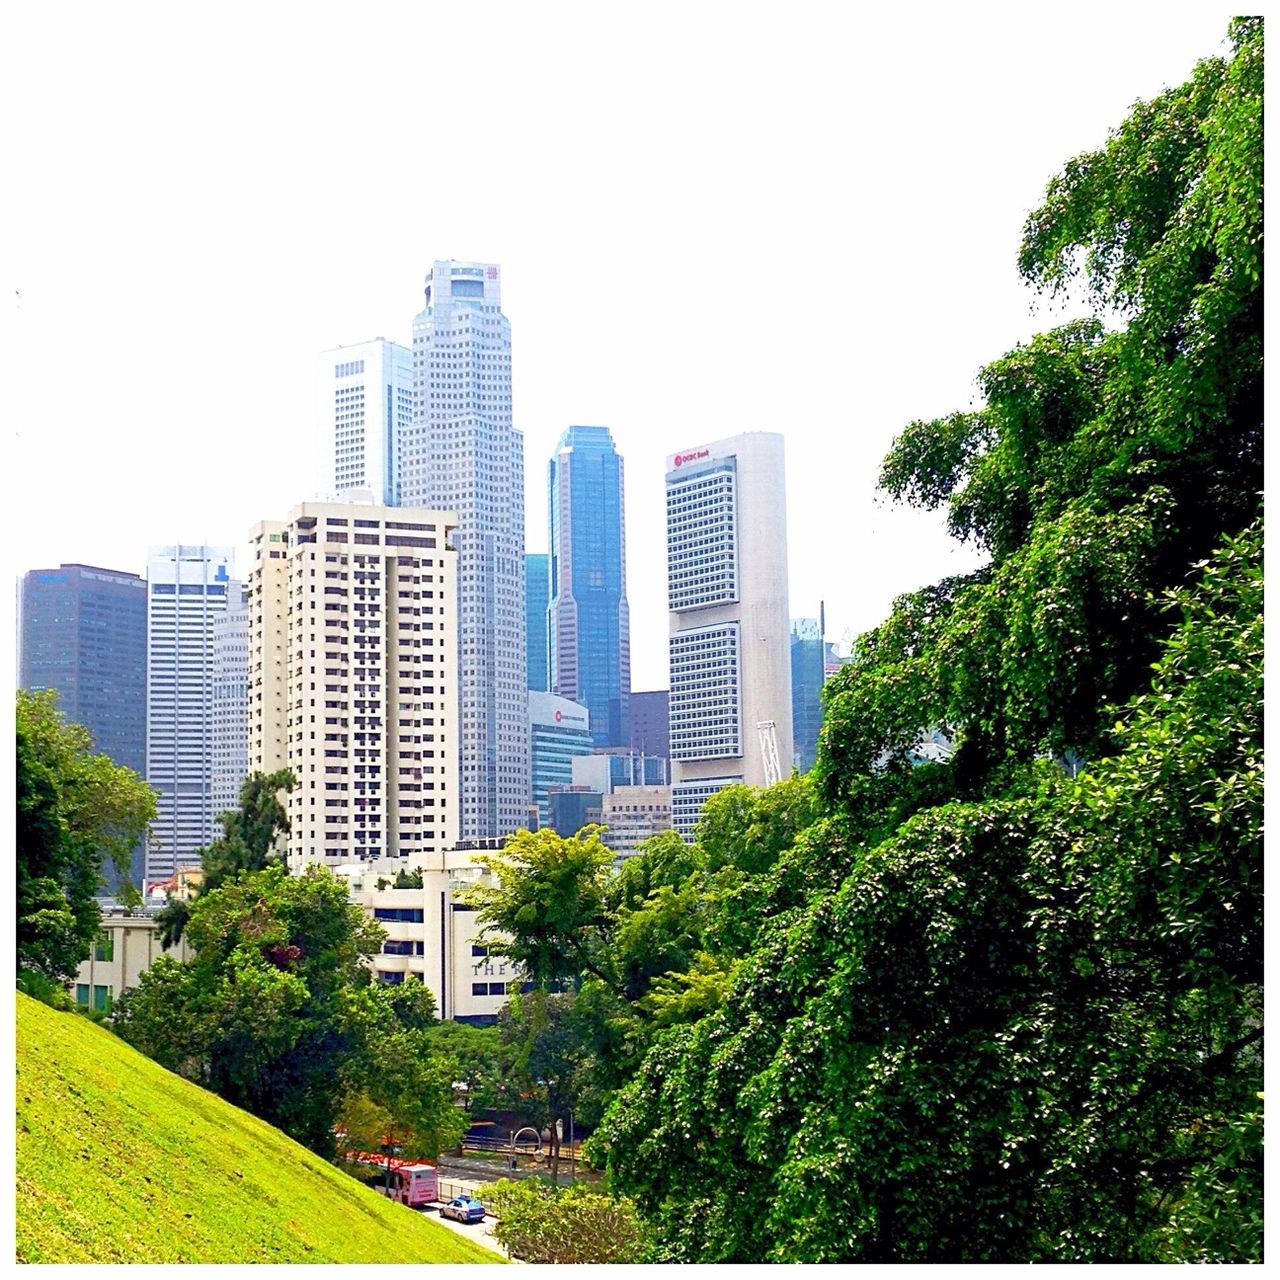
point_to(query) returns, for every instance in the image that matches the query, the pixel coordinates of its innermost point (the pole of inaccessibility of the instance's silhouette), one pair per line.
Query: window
(82, 993)
(102, 998)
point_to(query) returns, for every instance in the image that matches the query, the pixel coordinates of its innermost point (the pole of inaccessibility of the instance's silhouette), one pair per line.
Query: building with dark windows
(83, 633)
(808, 673)
(650, 729)
(537, 595)
(590, 657)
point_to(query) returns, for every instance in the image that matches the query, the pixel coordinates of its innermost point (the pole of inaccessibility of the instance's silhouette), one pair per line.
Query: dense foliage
(1007, 1006)
(276, 1013)
(74, 809)
(540, 1223)
(248, 842)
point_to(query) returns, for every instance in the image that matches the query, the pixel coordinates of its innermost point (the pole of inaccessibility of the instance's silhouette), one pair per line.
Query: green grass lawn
(121, 1161)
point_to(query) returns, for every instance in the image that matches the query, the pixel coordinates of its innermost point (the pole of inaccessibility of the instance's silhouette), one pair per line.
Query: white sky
(710, 218)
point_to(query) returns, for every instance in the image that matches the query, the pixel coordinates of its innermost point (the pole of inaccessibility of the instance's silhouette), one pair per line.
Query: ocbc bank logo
(682, 458)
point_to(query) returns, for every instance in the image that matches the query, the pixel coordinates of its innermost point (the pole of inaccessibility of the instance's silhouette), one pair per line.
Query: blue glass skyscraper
(590, 623)
(536, 597)
(84, 633)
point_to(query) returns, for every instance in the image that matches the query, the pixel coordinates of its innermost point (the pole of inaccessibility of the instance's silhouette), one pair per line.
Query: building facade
(187, 590)
(590, 642)
(83, 633)
(461, 454)
(730, 661)
(352, 679)
(124, 949)
(230, 708)
(573, 808)
(433, 937)
(537, 570)
(606, 770)
(559, 730)
(631, 815)
(650, 729)
(808, 674)
(367, 395)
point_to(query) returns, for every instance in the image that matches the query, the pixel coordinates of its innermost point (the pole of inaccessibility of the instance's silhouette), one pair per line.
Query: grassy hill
(121, 1161)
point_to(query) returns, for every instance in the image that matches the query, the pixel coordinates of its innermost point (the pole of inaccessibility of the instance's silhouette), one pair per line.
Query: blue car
(463, 1209)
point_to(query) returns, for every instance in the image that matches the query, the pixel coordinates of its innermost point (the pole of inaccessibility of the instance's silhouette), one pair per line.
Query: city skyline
(288, 266)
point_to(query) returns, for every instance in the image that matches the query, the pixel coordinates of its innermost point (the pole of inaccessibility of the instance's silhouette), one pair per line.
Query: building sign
(681, 458)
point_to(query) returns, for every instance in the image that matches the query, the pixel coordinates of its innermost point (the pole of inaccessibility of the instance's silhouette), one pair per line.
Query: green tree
(479, 1061)
(74, 809)
(539, 1223)
(1007, 1007)
(395, 1079)
(273, 1006)
(249, 840)
(546, 902)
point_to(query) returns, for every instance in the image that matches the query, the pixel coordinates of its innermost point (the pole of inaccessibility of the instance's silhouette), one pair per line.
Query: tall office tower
(808, 674)
(187, 589)
(558, 731)
(230, 702)
(730, 663)
(83, 632)
(537, 568)
(368, 391)
(352, 659)
(650, 728)
(590, 624)
(461, 454)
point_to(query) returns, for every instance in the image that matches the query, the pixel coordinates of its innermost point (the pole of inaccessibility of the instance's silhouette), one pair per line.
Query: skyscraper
(84, 633)
(537, 569)
(807, 677)
(369, 400)
(352, 656)
(187, 589)
(461, 454)
(230, 708)
(730, 662)
(590, 624)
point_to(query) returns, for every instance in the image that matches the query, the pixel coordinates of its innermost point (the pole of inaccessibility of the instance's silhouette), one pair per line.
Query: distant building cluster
(432, 685)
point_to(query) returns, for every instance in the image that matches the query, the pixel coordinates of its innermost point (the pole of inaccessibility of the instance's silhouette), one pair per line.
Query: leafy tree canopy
(249, 840)
(1007, 1006)
(75, 808)
(274, 1010)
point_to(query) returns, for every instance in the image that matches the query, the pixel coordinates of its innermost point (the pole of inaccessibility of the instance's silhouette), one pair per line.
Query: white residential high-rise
(369, 400)
(461, 454)
(352, 660)
(730, 652)
(187, 590)
(230, 705)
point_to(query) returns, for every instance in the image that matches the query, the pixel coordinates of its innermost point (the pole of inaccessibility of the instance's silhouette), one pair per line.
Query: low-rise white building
(127, 946)
(433, 937)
